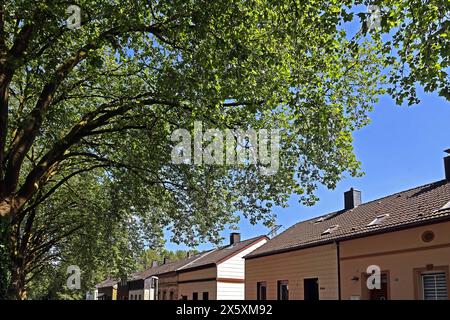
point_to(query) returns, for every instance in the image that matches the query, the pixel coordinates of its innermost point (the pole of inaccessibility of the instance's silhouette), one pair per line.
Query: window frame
(418, 287)
(378, 220)
(259, 285)
(280, 284)
(434, 273)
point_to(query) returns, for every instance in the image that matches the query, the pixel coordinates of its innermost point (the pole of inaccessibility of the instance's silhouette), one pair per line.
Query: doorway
(311, 289)
(377, 294)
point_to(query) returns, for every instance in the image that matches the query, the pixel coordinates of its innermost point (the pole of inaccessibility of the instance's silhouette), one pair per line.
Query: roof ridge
(407, 207)
(365, 203)
(222, 252)
(403, 191)
(195, 260)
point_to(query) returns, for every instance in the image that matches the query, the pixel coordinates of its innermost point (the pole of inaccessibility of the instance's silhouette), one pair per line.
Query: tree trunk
(5, 255)
(12, 273)
(16, 288)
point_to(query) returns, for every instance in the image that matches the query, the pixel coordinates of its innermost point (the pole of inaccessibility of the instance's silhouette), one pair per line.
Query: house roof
(109, 282)
(165, 268)
(199, 260)
(421, 205)
(215, 256)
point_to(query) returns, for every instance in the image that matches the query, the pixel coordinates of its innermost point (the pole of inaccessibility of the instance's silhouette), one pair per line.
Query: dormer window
(330, 230)
(378, 220)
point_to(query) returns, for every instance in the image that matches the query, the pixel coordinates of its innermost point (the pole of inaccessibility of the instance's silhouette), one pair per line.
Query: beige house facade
(409, 261)
(316, 263)
(396, 247)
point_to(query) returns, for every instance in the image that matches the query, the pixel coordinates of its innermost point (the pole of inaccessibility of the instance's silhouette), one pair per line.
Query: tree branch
(50, 160)
(25, 137)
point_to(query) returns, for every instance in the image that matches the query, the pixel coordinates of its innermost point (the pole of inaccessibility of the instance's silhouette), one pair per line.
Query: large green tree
(86, 116)
(415, 36)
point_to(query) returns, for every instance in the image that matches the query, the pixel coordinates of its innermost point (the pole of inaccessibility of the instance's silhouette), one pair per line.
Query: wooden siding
(205, 273)
(169, 283)
(234, 267)
(230, 291)
(135, 294)
(187, 289)
(399, 253)
(295, 266)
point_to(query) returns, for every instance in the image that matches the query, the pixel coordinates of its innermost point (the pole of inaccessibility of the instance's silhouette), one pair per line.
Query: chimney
(352, 199)
(235, 237)
(154, 264)
(166, 260)
(447, 165)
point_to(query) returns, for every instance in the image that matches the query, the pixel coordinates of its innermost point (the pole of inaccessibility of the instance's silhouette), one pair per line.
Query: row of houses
(217, 274)
(396, 247)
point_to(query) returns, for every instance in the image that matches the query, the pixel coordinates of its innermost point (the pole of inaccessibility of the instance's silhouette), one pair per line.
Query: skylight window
(378, 220)
(320, 220)
(446, 206)
(330, 230)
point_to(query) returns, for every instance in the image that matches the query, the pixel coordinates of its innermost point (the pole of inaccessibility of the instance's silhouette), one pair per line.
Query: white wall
(149, 292)
(230, 291)
(235, 266)
(136, 293)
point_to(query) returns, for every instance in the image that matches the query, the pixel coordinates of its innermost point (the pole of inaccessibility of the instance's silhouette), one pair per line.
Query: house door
(382, 293)
(311, 289)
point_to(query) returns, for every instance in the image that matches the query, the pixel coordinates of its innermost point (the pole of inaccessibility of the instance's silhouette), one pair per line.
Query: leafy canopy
(85, 147)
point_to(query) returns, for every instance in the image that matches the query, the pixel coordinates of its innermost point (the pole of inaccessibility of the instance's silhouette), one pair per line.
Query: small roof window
(378, 220)
(446, 206)
(330, 230)
(320, 219)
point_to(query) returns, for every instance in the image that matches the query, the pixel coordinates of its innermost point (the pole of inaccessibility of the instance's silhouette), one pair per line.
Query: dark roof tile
(423, 204)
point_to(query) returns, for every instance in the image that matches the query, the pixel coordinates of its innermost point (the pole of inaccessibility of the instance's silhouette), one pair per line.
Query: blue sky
(401, 148)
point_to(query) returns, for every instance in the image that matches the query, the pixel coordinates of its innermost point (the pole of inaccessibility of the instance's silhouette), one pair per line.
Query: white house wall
(234, 267)
(230, 291)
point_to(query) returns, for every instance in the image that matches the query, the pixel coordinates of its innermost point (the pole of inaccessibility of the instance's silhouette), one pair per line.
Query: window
(434, 286)
(195, 296)
(171, 294)
(153, 282)
(283, 290)
(164, 295)
(205, 296)
(131, 297)
(184, 298)
(445, 207)
(330, 230)
(378, 220)
(319, 220)
(140, 297)
(261, 290)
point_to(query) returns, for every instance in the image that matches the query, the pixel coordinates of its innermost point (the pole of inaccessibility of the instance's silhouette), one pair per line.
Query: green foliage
(416, 43)
(151, 255)
(91, 111)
